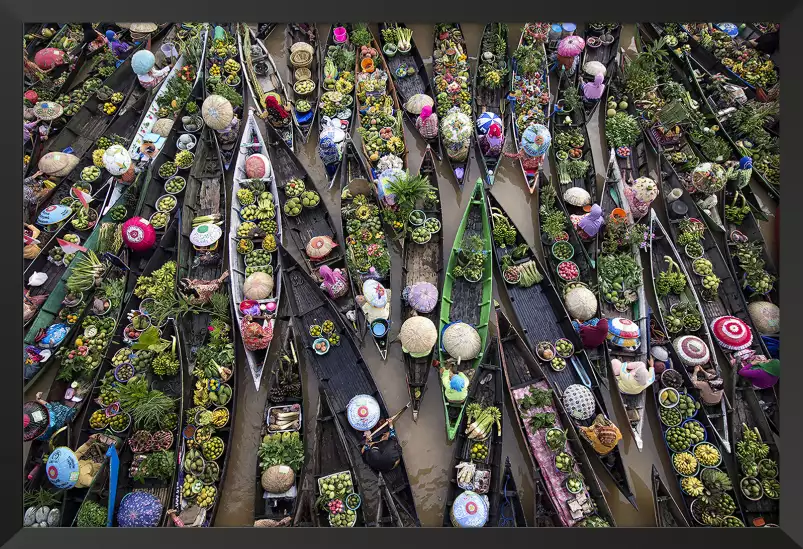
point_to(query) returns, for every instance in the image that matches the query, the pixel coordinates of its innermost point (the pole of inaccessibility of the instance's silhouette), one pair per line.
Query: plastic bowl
(741, 488)
(669, 389)
(705, 431)
(702, 465)
(326, 343)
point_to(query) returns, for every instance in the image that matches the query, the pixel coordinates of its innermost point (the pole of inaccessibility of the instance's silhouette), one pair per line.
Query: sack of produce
(278, 479)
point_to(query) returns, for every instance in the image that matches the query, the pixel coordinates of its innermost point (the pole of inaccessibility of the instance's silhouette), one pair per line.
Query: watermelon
(257, 166)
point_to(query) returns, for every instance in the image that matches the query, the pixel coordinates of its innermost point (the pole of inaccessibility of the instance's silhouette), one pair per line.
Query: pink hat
(426, 111)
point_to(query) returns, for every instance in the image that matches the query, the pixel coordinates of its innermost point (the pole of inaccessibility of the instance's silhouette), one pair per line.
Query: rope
(506, 521)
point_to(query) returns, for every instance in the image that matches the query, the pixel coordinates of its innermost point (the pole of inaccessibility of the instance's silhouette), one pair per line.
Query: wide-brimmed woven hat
(731, 333)
(47, 110)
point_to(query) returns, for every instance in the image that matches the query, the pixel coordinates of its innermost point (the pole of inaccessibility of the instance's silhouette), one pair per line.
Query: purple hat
(592, 221)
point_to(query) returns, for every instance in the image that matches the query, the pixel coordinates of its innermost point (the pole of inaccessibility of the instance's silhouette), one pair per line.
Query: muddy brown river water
(426, 452)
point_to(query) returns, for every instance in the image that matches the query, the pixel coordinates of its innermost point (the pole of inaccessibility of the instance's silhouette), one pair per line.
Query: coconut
(418, 335)
(461, 341)
(581, 303)
(577, 196)
(58, 164)
(278, 479)
(257, 166)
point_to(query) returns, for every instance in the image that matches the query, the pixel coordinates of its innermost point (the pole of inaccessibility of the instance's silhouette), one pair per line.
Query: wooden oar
(385, 423)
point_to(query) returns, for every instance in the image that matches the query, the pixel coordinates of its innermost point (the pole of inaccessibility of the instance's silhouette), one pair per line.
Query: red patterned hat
(731, 333)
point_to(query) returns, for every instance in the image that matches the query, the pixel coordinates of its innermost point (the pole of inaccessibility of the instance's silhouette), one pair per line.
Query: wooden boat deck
(296, 32)
(522, 371)
(423, 263)
(491, 100)
(667, 510)
(342, 373)
(487, 389)
(409, 86)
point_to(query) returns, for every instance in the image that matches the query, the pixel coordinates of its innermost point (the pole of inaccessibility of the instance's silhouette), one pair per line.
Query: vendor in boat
(276, 113)
(384, 454)
(117, 46)
(762, 373)
(143, 63)
(93, 37)
(592, 91)
(41, 419)
(768, 43)
(491, 142)
(427, 123)
(632, 378)
(455, 384)
(710, 385)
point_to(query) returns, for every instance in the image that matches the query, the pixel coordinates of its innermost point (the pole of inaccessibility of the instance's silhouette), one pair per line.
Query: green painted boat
(466, 301)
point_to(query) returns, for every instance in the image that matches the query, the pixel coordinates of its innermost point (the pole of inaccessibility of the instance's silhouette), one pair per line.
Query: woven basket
(302, 46)
(303, 73)
(301, 59)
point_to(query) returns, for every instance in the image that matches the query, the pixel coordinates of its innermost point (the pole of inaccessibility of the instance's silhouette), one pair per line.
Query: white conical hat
(205, 234)
(418, 335)
(116, 160)
(461, 341)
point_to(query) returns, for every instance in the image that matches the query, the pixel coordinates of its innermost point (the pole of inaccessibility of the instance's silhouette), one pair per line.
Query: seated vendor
(383, 455)
(455, 385)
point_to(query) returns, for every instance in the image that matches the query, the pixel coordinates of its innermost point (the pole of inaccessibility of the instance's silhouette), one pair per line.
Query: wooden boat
(355, 182)
(667, 510)
(523, 84)
(711, 425)
(81, 134)
(523, 374)
(263, 77)
(721, 107)
(397, 128)
(511, 510)
(613, 197)
(195, 55)
(54, 310)
(465, 301)
(491, 99)
(552, 206)
(264, 30)
(34, 469)
(252, 142)
(728, 300)
(39, 35)
(603, 53)
(205, 195)
(122, 481)
(530, 306)
(423, 263)
(635, 164)
(660, 248)
(330, 456)
(487, 389)
(70, 40)
(310, 223)
(565, 178)
(285, 392)
(408, 85)
(707, 63)
(448, 37)
(343, 374)
(307, 33)
(749, 227)
(337, 58)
